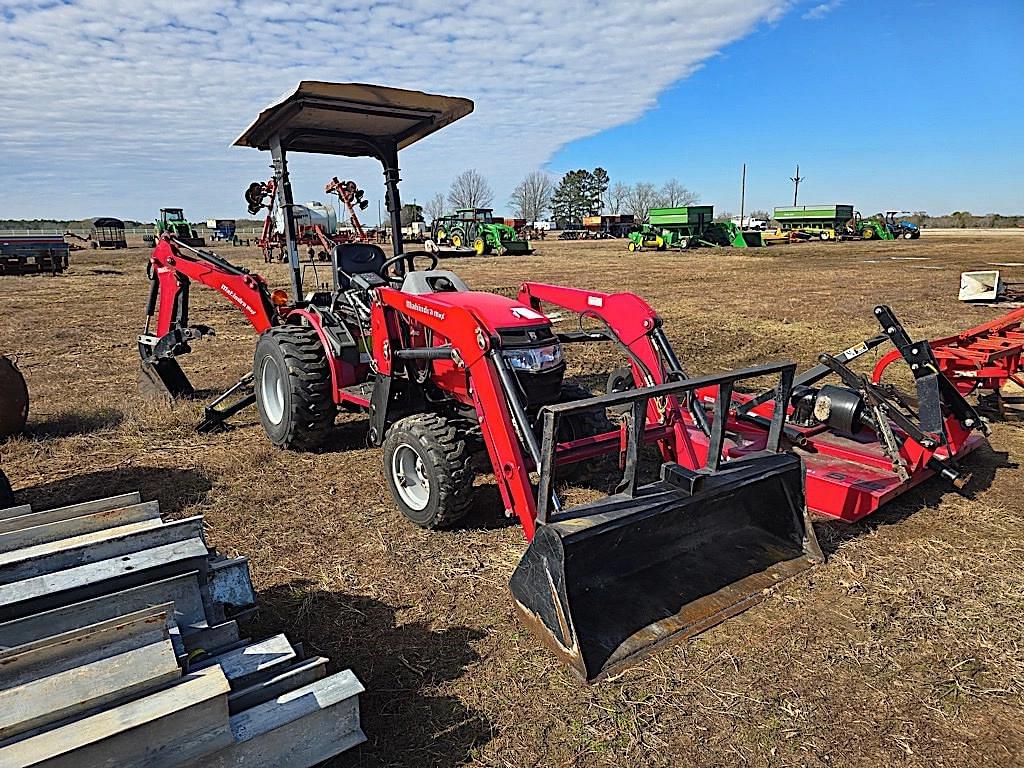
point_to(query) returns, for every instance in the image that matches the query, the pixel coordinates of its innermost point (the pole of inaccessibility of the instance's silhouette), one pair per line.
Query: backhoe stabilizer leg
(215, 418)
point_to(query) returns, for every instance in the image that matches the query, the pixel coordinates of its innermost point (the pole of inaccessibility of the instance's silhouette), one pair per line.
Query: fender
(342, 374)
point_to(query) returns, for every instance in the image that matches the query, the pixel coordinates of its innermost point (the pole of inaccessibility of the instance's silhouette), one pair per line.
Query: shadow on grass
(68, 424)
(982, 465)
(407, 723)
(175, 489)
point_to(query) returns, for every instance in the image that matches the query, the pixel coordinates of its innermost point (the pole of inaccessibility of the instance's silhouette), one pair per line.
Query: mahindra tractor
(706, 510)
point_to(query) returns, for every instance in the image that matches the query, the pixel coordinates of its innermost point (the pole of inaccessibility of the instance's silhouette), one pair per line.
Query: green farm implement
(478, 229)
(687, 227)
(826, 222)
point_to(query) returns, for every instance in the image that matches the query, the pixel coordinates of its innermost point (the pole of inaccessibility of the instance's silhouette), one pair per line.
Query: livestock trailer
(108, 232)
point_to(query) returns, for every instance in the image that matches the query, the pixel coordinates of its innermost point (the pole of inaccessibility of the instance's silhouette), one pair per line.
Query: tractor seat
(433, 281)
(349, 259)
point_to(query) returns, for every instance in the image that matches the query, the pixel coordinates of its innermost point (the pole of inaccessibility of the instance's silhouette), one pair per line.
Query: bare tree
(470, 190)
(674, 194)
(532, 197)
(435, 207)
(618, 194)
(642, 197)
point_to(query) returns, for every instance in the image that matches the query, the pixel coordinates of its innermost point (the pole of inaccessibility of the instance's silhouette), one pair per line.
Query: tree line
(577, 194)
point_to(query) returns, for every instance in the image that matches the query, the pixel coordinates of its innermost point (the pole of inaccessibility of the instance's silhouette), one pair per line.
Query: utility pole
(796, 183)
(743, 193)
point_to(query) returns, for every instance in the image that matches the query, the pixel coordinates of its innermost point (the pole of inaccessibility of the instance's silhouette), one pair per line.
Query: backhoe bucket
(163, 378)
(607, 582)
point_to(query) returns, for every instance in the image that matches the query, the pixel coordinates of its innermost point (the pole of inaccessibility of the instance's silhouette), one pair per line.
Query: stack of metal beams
(120, 646)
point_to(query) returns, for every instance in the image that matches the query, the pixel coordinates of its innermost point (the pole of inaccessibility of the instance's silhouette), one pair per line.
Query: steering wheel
(410, 260)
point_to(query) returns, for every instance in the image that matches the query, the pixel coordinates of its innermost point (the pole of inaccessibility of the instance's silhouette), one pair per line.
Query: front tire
(427, 462)
(292, 382)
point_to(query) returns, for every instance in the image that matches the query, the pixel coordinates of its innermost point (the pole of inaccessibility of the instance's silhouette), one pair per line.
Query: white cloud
(822, 10)
(119, 106)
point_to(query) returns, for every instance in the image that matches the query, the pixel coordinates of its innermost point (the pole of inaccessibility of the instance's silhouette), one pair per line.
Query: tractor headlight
(534, 359)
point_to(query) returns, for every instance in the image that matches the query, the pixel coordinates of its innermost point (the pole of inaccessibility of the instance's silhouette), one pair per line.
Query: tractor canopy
(351, 119)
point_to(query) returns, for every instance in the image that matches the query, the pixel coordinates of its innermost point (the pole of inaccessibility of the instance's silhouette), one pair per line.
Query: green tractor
(173, 222)
(477, 227)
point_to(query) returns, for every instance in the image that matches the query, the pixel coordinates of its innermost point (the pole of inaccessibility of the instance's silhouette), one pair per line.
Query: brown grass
(906, 648)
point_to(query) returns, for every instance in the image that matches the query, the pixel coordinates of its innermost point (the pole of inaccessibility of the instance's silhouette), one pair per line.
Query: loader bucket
(163, 378)
(608, 582)
(517, 246)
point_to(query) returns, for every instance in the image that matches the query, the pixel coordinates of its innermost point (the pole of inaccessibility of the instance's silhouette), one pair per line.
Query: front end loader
(478, 229)
(449, 377)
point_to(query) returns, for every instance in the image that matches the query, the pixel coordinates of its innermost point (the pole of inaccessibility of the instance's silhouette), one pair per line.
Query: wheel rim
(410, 477)
(272, 390)
(478, 246)
(456, 241)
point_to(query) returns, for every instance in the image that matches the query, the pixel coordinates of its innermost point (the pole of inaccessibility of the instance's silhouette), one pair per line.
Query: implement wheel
(631, 247)
(427, 462)
(13, 399)
(6, 492)
(292, 381)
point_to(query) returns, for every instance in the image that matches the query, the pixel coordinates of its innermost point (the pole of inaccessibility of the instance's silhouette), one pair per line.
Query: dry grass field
(905, 649)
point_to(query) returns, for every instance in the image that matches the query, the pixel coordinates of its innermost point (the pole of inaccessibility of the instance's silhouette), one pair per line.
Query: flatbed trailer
(33, 254)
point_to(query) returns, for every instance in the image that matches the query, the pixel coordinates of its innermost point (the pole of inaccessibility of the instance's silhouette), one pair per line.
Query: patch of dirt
(906, 648)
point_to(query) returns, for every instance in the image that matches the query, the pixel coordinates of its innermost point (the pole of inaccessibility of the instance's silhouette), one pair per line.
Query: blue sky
(117, 107)
(885, 105)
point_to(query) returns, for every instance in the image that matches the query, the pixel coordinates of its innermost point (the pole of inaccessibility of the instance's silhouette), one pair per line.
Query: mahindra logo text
(424, 310)
(237, 299)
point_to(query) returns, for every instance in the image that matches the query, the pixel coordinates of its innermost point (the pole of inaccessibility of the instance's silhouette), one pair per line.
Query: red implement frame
(986, 356)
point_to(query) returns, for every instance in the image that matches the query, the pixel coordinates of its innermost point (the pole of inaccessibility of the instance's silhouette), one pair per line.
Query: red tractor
(447, 375)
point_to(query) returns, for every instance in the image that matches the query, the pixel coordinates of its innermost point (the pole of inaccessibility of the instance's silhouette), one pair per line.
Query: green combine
(173, 221)
(826, 222)
(477, 227)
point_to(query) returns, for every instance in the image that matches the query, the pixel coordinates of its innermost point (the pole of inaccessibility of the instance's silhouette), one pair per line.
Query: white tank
(307, 216)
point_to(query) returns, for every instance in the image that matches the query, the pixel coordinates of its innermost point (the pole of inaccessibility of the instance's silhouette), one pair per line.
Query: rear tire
(292, 382)
(6, 492)
(428, 466)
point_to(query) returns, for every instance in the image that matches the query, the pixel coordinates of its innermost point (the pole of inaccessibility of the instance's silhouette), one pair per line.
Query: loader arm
(471, 346)
(631, 322)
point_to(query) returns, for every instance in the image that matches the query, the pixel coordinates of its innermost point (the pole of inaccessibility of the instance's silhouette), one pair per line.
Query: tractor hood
(496, 311)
